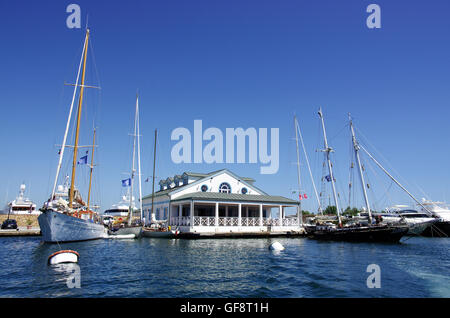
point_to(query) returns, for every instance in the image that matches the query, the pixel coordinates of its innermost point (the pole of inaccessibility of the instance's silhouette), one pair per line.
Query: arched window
(225, 188)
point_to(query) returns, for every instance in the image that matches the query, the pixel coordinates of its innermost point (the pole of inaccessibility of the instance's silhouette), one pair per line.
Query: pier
(21, 231)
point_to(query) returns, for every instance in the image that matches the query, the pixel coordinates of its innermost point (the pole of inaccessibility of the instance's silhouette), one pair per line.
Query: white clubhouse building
(221, 202)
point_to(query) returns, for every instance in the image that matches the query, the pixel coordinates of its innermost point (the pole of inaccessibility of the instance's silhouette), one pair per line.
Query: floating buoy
(64, 256)
(276, 246)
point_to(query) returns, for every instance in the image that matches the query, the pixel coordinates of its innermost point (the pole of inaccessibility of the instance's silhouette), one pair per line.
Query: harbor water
(417, 267)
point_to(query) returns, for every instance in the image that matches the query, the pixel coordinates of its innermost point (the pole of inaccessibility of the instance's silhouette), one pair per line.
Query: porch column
(217, 214)
(239, 214)
(280, 215)
(260, 215)
(226, 210)
(192, 213)
(180, 213)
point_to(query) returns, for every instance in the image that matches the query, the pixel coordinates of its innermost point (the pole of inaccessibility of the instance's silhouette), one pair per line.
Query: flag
(126, 182)
(300, 197)
(305, 196)
(83, 160)
(328, 178)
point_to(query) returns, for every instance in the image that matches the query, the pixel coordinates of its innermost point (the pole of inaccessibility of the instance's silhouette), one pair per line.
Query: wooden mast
(90, 175)
(77, 133)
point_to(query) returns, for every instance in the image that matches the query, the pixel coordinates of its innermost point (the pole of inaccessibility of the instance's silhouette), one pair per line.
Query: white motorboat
(21, 204)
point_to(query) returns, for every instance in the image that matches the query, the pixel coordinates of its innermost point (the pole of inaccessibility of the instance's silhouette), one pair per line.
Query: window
(224, 188)
(204, 188)
(244, 190)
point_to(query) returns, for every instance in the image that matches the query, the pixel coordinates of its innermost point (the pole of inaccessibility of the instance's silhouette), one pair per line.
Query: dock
(261, 234)
(21, 231)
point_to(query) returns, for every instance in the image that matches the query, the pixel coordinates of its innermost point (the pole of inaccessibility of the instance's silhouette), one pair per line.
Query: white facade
(222, 202)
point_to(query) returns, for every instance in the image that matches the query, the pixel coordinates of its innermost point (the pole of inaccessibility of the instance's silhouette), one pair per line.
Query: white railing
(250, 221)
(228, 221)
(232, 221)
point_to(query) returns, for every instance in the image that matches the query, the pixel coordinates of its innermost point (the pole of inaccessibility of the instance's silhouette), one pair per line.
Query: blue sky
(231, 64)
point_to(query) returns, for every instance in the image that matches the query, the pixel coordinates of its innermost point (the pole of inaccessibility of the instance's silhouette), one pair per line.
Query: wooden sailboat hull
(390, 234)
(58, 227)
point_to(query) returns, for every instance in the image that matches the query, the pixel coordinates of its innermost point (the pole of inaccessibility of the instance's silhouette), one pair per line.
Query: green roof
(217, 196)
(203, 175)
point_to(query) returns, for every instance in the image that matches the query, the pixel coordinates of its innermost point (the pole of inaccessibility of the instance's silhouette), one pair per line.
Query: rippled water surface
(418, 267)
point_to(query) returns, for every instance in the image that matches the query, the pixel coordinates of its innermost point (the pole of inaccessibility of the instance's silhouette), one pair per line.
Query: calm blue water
(419, 267)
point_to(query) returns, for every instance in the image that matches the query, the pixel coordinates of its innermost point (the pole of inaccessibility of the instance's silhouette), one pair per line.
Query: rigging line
(309, 167)
(393, 179)
(366, 141)
(68, 121)
(339, 132)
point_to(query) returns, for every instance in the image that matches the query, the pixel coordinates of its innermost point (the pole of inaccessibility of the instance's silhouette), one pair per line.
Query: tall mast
(298, 168)
(327, 150)
(358, 160)
(90, 174)
(309, 166)
(139, 161)
(77, 133)
(152, 216)
(133, 170)
(61, 153)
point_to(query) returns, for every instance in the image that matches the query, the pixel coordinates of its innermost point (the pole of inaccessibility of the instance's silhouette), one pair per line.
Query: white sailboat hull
(59, 227)
(136, 230)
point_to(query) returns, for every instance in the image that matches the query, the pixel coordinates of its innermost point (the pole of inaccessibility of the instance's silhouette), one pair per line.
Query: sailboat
(157, 229)
(128, 227)
(67, 218)
(298, 135)
(357, 232)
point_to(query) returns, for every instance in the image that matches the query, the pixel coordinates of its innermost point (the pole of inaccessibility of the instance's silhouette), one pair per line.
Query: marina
(208, 150)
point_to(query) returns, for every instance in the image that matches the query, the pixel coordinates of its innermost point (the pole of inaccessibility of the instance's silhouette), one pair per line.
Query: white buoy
(64, 256)
(276, 246)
